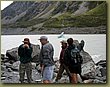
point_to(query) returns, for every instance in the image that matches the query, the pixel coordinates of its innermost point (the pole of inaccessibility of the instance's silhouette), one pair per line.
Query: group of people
(70, 60)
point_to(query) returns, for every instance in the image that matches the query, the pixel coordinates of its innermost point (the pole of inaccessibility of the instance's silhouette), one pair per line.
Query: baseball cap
(43, 37)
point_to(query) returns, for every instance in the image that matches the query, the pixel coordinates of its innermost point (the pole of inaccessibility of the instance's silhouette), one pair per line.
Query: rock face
(27, 10)
(12, 54)
(31, 17)
(35, 54)
(86, 57)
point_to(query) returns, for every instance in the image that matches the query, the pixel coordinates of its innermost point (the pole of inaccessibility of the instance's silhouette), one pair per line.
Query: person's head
(43, 40)
(82, 41)
(64, 43)
(26, 41)
(70, 41)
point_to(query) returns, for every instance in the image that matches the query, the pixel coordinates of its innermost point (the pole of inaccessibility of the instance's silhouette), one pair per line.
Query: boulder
(101, 78)
(98, 81)
(3, 68)
(102, 63)
(88, 81)
(10, 70)
(103, 71)
(2, 56)
(12, 54)
(8, 65)
(3, 78)
(88, 69)
(33, 65)
(98, 73)
(35, 53)
(86, 57)
(88, 65)
(15, 66)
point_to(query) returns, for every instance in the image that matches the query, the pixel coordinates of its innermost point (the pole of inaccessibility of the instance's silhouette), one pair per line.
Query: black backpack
(76, 58)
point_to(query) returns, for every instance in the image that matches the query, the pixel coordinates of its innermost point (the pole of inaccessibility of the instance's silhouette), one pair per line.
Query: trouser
(61, 70)
(48, 72)
(27, 67)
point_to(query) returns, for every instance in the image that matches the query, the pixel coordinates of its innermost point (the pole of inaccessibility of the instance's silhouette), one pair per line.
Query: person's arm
(66, 59)
(61, 58)
(20, 50)
(41, 60)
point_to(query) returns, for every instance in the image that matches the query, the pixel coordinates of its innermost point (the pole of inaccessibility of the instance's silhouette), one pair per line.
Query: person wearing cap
(46, 60)
(61, 59)
(25, 52)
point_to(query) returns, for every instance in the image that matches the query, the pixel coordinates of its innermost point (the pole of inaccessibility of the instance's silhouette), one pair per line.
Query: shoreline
(68, 30)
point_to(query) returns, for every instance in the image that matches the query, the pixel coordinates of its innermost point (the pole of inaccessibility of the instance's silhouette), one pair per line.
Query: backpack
(76, 58)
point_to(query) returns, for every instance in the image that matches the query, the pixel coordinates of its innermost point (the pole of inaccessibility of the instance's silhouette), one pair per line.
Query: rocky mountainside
(38, 15)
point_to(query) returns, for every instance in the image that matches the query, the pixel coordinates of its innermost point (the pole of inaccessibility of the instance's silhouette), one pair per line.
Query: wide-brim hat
(26, 40)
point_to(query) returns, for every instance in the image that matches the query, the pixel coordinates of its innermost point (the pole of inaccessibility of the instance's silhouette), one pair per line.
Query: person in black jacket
(74, 69)
(25, 52)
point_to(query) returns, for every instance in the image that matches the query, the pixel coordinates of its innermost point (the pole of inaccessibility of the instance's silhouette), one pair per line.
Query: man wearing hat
(62, 65)
(46, 60)
(25, 52)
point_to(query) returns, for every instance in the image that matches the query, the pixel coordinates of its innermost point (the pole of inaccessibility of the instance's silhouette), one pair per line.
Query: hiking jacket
(67, 55)
(46, 55)
(25, 54)
(62, 54)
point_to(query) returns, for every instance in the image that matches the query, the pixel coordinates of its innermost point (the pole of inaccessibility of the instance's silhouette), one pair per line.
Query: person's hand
(26, 45)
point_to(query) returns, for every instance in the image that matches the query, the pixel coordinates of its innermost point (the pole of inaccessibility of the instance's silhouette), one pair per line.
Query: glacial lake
(95, 44)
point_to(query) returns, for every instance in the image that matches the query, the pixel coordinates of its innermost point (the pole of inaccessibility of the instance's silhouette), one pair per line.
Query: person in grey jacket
(46, 59)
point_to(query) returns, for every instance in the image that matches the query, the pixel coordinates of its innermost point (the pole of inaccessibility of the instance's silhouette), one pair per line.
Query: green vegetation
(25, 24)
(99, 10)
(33, 28)
(93, 18)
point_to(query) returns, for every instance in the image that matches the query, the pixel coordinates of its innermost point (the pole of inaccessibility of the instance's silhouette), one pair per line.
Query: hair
(70, 41)
(65, 44)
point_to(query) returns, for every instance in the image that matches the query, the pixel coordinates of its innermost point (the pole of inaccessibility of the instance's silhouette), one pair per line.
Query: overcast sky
(4, 4)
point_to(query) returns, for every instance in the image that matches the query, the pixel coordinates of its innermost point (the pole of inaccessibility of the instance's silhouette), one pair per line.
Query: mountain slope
(54, 14)
(92, 18)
